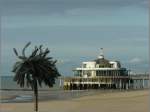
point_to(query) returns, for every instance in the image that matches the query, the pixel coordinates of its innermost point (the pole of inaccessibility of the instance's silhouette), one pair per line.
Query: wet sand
(125, 101)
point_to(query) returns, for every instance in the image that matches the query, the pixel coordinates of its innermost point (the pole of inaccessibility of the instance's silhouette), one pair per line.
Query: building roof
(102, 62)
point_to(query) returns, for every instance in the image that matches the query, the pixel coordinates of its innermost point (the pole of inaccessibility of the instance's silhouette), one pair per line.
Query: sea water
(7, 83)
(9, 88)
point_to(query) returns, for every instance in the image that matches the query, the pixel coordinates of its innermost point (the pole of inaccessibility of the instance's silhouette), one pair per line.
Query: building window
(111, 65)
(84, 65)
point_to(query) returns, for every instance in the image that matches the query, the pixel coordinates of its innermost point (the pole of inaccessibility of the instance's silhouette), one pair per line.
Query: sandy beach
(125, 101)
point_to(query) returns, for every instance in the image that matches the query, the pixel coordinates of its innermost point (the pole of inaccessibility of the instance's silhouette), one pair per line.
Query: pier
(105, 82)
(102, 73)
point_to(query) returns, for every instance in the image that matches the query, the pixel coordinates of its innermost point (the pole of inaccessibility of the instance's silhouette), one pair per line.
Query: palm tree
(35, 69)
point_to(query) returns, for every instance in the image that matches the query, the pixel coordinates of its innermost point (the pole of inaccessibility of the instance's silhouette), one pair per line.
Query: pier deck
(105, 82)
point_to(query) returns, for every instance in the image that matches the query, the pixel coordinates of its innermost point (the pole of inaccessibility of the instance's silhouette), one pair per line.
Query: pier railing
(134, 77)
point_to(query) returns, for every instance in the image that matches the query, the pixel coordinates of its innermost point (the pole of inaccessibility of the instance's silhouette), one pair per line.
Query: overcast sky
(75, 30)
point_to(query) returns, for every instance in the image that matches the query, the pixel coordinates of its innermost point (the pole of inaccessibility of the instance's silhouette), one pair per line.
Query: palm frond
(23, 51)
(16, 66)
(37, 66)
(15, 51)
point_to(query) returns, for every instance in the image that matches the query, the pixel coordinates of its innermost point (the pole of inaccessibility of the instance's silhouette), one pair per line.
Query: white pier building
(101, 74)
(100, 67)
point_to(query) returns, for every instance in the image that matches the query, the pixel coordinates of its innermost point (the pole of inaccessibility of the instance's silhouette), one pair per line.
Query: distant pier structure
(103, 74)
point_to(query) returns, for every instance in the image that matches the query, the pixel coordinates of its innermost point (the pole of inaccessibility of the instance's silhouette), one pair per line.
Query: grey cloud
(135, 60)
(40, 7)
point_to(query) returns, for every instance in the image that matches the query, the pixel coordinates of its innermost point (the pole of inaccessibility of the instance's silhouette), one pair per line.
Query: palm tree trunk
(35, 96)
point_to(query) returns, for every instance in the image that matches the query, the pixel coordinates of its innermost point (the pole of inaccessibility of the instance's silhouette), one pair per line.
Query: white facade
(114, 64)
(90, 64)
(100, 67)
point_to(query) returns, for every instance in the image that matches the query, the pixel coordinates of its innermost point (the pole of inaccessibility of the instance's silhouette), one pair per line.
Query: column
(60, 82)
(143, 83)
(135, 83)
(129, 85)
(120, 84)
